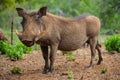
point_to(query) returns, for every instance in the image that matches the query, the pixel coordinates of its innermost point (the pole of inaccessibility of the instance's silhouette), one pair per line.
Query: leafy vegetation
(16, 70)
(70, 73)
(110, 13)
(103, 70)
(4, 46)
(9, 3)
(69, 56)
(113, 43)
(15, 51)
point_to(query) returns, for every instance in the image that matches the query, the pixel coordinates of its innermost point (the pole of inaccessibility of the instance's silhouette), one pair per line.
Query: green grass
(69, 56)
(16, 70)
(70, 73)
(103, 70)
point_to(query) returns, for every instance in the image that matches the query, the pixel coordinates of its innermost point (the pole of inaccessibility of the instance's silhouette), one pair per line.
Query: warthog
(58, 33)
(2, 35)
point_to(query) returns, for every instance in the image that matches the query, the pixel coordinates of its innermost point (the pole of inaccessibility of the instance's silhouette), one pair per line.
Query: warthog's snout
(28, 42)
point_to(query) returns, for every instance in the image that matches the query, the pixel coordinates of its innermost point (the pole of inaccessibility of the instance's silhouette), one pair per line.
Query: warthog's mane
(82, 16)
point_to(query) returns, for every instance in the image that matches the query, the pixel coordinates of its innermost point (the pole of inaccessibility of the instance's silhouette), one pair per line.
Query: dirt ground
(32, 65)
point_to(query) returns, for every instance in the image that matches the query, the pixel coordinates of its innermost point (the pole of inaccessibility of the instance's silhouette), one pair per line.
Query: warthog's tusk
(41, 34)
(18, 33)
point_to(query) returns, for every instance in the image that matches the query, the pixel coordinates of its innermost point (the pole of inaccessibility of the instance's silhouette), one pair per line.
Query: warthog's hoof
(45, 70)
(99, 61)
(89, 67)
(51, 70)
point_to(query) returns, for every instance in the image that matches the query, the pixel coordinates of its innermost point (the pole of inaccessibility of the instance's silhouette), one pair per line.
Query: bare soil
(32, 65)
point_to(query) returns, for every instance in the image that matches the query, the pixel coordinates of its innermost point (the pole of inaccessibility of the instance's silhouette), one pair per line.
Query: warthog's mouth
(28, 43)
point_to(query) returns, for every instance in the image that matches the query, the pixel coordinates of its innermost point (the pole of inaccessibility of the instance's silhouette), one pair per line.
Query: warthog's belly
(72, 43)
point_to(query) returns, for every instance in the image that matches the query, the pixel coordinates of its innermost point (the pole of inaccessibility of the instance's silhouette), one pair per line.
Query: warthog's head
(31, 25)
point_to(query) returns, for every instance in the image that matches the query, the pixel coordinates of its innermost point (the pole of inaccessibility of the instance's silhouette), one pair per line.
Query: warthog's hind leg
(93, 43)
(99, 53)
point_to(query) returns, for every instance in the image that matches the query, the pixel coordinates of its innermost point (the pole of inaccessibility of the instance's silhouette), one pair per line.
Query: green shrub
(23, 48)
(4, 46)
(103, 70)
(113, 43)
(16, 70)
(14, 51)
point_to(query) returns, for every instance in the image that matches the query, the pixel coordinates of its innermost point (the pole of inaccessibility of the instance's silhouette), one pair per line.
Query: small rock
(64, 73)
(77, 61)
(113, 52)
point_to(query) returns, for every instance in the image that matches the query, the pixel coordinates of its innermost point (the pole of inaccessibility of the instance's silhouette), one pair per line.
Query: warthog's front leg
(53, 50)
(45, 56)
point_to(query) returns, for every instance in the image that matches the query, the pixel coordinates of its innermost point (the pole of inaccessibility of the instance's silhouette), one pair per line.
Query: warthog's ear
(42, 11)
(20, 11)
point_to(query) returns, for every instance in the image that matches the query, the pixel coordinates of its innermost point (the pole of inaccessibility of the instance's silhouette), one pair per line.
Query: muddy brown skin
(2, 35)
(59, 33)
